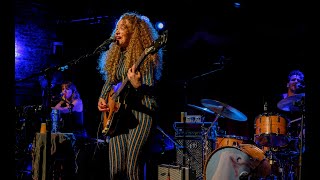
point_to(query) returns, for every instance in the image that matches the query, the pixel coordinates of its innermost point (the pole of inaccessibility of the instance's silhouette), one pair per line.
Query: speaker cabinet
(171, 172)
(192, 155)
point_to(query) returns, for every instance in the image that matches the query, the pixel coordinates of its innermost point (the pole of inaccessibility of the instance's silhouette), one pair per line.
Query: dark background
(260, 42)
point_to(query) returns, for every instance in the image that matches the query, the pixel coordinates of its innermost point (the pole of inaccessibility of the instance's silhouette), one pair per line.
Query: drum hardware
(295, 120)
(282, 167)
(296, 103)
(205, 141)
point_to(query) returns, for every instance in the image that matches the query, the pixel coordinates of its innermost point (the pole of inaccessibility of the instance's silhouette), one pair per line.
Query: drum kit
(267, 157)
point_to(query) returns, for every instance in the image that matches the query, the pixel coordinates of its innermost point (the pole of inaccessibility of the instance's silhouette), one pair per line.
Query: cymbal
(201, 108)
(224, 110)
(288, 104)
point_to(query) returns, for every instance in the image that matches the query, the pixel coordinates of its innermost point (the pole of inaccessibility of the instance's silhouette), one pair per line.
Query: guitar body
(109, 124)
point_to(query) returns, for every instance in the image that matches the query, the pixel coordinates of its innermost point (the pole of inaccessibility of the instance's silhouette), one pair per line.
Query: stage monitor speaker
(171, 172)
(192, 155)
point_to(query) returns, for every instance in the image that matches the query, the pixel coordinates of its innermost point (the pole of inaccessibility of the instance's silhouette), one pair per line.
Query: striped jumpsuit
(125, 149)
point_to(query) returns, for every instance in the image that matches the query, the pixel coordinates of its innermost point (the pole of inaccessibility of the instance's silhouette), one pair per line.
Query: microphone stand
(166, 135)
(48, 73)
(178, 146)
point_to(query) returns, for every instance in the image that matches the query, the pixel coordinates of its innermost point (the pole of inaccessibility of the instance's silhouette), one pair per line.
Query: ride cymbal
(224, 110)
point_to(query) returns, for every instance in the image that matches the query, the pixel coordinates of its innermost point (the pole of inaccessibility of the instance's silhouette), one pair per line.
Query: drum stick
(298, 119)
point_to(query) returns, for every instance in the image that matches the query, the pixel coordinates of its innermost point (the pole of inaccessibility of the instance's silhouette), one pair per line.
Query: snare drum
(232, 163)
(271, 130)
(230, 140)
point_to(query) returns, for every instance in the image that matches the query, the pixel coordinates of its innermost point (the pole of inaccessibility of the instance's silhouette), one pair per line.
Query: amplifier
(194, 118)
(193, 130)
(171, 172)
(194, 153)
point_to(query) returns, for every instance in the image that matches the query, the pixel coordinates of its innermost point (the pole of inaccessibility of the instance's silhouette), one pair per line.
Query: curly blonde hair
(143, 34)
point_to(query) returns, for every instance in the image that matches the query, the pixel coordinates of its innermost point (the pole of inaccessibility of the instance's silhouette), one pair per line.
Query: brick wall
(34, 40)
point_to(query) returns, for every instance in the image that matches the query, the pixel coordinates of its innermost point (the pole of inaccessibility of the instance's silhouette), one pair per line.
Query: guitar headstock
(159, 43)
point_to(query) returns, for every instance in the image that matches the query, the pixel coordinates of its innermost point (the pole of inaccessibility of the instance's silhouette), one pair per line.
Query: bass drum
(234, 163)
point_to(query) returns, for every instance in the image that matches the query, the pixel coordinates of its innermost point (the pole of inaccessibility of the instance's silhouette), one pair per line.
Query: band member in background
(289, 106)
(135, 117)
(70, 108)
(70, 116)
(293, 99)
(295, 83)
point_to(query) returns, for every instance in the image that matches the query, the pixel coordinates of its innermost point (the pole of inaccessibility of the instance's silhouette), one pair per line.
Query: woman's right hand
(102, 105)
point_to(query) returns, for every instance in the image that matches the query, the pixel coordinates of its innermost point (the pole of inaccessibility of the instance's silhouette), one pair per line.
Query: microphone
(300, 86)
(107, 42)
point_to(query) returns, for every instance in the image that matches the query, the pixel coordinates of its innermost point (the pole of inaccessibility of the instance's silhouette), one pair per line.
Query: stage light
(159, 25)
(237, 4)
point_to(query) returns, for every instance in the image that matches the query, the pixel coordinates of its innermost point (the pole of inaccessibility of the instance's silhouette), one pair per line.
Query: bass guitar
(111, 117)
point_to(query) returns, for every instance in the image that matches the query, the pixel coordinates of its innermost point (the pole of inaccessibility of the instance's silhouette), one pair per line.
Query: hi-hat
(291, 103)
(202, 108)
(224, 110)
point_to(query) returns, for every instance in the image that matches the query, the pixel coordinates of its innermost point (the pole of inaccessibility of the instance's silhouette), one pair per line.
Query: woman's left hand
(134, 77)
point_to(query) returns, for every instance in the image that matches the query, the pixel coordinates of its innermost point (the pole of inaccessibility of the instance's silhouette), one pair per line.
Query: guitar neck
(125, 81)
(154, 48)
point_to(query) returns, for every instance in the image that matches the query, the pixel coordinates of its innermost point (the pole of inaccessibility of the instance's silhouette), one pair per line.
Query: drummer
(295, 83)
(291, 103)
(293, 100)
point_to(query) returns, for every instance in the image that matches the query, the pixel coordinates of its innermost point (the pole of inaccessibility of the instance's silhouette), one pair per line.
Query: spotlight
(237, 5)
(159, 25)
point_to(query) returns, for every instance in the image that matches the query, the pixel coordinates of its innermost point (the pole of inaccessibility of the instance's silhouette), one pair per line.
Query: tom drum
(271, 130)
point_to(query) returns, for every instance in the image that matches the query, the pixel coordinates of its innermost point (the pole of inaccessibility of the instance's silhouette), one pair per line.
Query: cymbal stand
(277, 167)
(301, 103)
(205, 142)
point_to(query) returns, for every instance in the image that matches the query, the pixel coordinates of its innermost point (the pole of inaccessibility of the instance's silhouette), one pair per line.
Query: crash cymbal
(223, 109)
(291, 103)
(202, 108)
